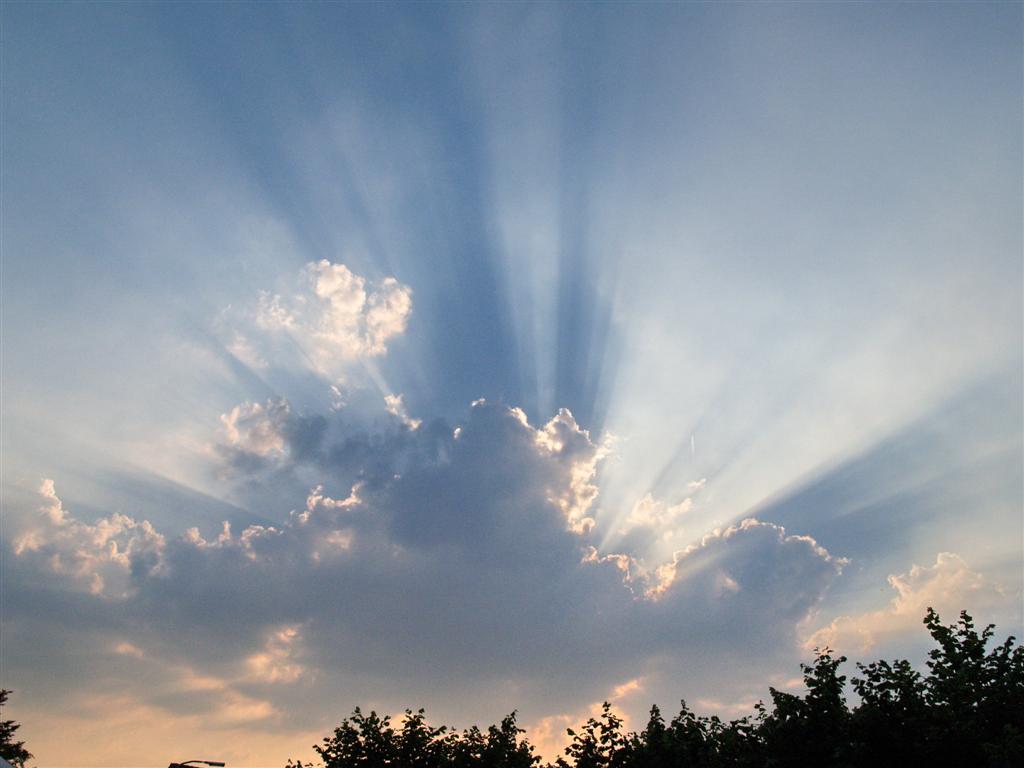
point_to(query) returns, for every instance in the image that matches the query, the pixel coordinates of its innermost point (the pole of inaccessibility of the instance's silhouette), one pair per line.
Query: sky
(492, 357)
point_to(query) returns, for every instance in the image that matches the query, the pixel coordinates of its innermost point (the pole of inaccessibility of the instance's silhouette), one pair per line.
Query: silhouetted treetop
(968, 710)
(12, 751)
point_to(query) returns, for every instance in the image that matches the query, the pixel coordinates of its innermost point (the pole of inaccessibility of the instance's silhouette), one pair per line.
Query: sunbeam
(492, 357)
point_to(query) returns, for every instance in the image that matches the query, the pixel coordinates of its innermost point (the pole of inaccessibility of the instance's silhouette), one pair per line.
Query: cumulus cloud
(339, 312)
(747, 586)
(571, 447)
(656, 515)
(257, 430)
(255, 436)
(947, 586)
(766, 546)
(497, 501)
(428, 553)
(107, 557)
(272, 454)
(331, 318)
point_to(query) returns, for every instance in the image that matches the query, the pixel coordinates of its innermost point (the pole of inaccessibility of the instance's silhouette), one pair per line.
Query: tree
(653, 746)
(419, 745)
(967, 710)
(370, 741)
(361, 740)
(975, 698)
(12, 751)
(500, 748)
(598, 744)
(890, 724)
(810, 730)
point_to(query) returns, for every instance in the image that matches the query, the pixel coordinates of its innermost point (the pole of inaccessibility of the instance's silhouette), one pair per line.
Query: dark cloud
(457, 556)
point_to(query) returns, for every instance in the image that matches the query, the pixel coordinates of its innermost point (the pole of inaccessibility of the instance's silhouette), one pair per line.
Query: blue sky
(535, 354)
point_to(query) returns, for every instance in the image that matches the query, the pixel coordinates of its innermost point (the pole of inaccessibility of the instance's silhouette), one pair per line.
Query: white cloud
(258, 437)
(337, 315)
(256, 428)
(563, 439)
(277, 662)
(387, 313)
(106, 557)
(658, 516)
(395, 405)
(326, 321)
(948, 586)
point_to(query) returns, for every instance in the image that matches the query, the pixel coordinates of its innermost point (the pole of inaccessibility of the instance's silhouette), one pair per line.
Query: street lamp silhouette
(200, 762)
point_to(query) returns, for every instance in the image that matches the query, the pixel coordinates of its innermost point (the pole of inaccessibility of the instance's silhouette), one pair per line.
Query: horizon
(491, 357)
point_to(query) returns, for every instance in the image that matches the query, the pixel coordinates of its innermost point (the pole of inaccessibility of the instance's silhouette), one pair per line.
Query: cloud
(701, 566)
(277, 662)
(947, 586)
(462, 555)
(255, 429)
(107, 557)
(127, 649)
(661, 518)
(332, 318)
(255, 436)
(338, 312)
(395, 405)
(272, 454)
(742, 590)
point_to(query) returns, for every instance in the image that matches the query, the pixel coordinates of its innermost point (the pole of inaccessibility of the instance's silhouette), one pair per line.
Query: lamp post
(200, 762)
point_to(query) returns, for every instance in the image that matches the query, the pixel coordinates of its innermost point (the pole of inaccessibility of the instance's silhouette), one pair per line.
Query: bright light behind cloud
(492, 358)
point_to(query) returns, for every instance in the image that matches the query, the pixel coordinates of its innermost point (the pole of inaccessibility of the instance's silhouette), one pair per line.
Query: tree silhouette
(967, 710)
(500, 748)
(974, 697)
(890, 723)
(600, 742)
(370, 741)
(12, 751)
(809, 730)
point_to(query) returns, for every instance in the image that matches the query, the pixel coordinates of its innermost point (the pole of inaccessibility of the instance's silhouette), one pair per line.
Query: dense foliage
(968, 710)
(372, 742)
(12, 751)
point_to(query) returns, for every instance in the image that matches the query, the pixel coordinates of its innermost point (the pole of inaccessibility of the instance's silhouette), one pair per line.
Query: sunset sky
(492, 357)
